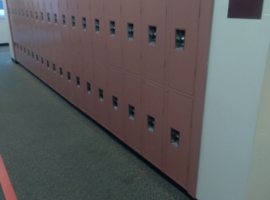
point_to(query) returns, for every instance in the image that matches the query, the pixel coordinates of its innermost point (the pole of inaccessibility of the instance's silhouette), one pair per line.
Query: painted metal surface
(137, 67)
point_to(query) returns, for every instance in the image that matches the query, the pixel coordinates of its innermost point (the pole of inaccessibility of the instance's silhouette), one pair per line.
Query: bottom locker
(152, 123)
(116, 102)
(102, 97)
(132, 112)
(178, 137)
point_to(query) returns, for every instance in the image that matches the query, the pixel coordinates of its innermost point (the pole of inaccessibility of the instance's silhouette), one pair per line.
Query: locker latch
(130, 31)
(68, 76)
(151, 123)
(152, 35)
(54, 68)
(97, 25)
(31, 15)
(61, 72)
(78, 81)
(42, 61)
(115, 102)
(64, 20)
(84, 23)
(36, 15)
(55, 18)
(131, 110)
(49, 18)
(88, 86)
(48, 64)
(175, 135)
(180, 39)
(73, 21)
(112, 28)
(42, 17)
(37, 57)
(100, 92)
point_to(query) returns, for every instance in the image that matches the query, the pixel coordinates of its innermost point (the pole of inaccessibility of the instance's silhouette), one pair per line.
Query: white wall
(5, 36)
(258, 186)
(237, 61)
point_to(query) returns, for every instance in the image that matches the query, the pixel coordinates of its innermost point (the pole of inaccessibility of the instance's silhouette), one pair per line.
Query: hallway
(52, 151)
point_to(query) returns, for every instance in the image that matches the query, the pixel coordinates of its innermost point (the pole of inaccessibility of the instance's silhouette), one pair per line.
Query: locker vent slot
(48, 64)
(97, 25)
(36, 15)
(131, 110)
(54, 68)
(23, 13)
(78, 81)
(33, 55)
(42, 61)
(115, 102)
(55, 18)
(64, 20)
(112, 28)
(175, 136)
(130, 31)
(84, 23)
(21, 47)
(24, 50)
(37, 57)
(88, 86)
(42, 17)
(152, 35)
(68, 76)
(61, 72)
(180, 39)
(28, 52)
(151, 123)
(31, 15)
(73, 21)
(100, 92)
(49, 18)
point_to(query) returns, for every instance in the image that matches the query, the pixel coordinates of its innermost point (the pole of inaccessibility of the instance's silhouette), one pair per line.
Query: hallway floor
(52, 151)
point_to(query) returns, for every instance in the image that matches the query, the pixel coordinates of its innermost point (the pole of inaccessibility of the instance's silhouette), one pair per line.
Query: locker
(153, 123)
(64, 21)
(102, 97)
(74, 26)
(98, 29)
(79, 89)
(183, 60)
(116, 102)
(56, 20)
(70, 78)
(131, 35)
(85, 28)
(113, 32)
(132, 112)
(178, 137)
(153, 39)
(90, 93)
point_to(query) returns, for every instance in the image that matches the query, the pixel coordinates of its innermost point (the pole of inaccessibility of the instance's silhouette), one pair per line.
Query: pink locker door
(90, 91)
(116, 104)
(56, 21)
(85, 28)
(153, 123)
(131, 35)
(102, 97)
(153, 39)
(178, 137)
(62, 73)
(132, 112)
(183, 44)
(74, 26)
(113, 32)
(98, 29)
(54, 70)
(79, 89)
(64, 21)
(70, 76)
(49, 24)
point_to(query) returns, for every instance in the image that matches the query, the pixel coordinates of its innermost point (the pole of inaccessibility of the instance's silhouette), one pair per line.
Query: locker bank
(180, 82)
